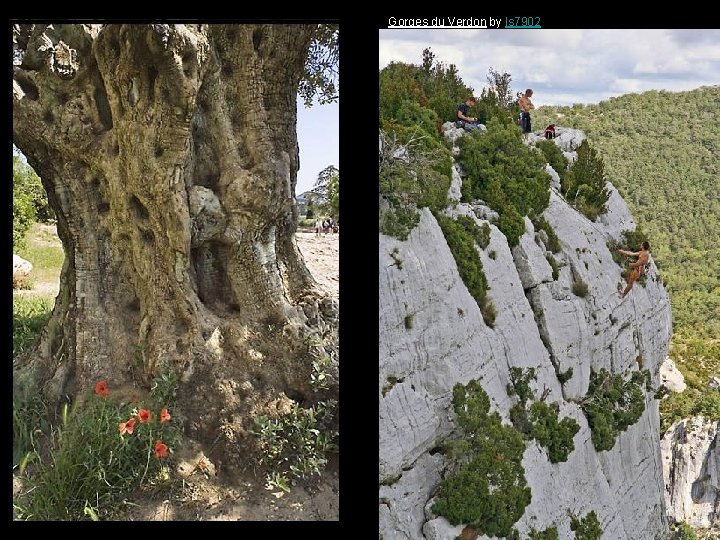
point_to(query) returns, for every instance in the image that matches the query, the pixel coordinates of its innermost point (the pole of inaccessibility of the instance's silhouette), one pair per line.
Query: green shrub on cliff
(488, 489)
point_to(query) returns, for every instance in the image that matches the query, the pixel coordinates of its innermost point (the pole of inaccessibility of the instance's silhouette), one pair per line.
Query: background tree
(326, 189)
(497, 98)
(24, 212)
(172, 180)
(434, 85)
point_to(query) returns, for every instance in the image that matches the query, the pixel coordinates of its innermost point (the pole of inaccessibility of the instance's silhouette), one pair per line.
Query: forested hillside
(660, 149)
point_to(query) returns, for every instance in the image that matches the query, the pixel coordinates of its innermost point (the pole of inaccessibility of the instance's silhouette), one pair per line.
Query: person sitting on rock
(550, 131)
(638, 267)
(464, 120)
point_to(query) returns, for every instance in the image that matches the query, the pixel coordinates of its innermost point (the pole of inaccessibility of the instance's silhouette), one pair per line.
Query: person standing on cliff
(525, 107)
(639, 267)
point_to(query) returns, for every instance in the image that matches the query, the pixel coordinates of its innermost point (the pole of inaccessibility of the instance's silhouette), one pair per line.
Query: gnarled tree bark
(169, 154)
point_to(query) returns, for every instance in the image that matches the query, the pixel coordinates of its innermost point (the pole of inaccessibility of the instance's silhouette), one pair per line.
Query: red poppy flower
(127, 427)
(164, 415)
(144, 416)
(161, 450)
(101, 388)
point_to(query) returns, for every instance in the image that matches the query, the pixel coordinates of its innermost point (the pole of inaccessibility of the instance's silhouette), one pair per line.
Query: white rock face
(671, 377)
(691, 468)
(570, 156)
(540, 323)
(554, 175)
(453, 133)
(617, 217)
(484, 212)
(440, 529)
(568, 139)
(454, 192)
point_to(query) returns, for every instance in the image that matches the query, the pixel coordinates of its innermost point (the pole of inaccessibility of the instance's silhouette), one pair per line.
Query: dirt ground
(197, 494)
(321, 255)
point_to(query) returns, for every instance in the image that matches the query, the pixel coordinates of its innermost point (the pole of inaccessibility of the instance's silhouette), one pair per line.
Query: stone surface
(454, 192)
(484, 212)
(617, 217)
(568, 139)
(554, 175)
(540, 323)
(570, 156)
(451, 132)
(671, 377)
(691, 469)
(530, 262)
(21, 267)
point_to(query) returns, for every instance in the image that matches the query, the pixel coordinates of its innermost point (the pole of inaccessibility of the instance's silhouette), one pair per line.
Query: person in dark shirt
(463, 115)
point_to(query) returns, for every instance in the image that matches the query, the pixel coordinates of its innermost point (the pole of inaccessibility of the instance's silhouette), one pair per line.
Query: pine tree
(584, 184)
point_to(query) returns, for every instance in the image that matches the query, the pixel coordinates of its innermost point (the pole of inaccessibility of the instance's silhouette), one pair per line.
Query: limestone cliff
(432, 336)
(691, 463)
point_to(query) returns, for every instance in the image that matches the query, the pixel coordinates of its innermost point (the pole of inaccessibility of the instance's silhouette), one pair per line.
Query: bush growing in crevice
(613, 404)
(683, 531)
(554, 265)
(540, 420)
(565, 376)
(391, 381)
(554, 156)
(541, 224)
(519, 384)
(551, 533)
(586, 528)
(481, 234)
(415, 172)
(556, 437)
(584, 183)
(580, 288)
(408, 322)
(487, 488)
(467, 259)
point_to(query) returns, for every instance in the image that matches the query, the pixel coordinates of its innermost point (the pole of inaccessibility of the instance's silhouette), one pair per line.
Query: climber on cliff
(639, 267)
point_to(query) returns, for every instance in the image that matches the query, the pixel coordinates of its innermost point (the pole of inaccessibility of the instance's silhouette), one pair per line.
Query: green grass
(89, 466)
(45, 252)
(29, 416)
(31, 310)
(29, 317)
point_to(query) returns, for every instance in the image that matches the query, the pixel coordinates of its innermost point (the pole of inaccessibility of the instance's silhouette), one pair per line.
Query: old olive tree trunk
(169, 155)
